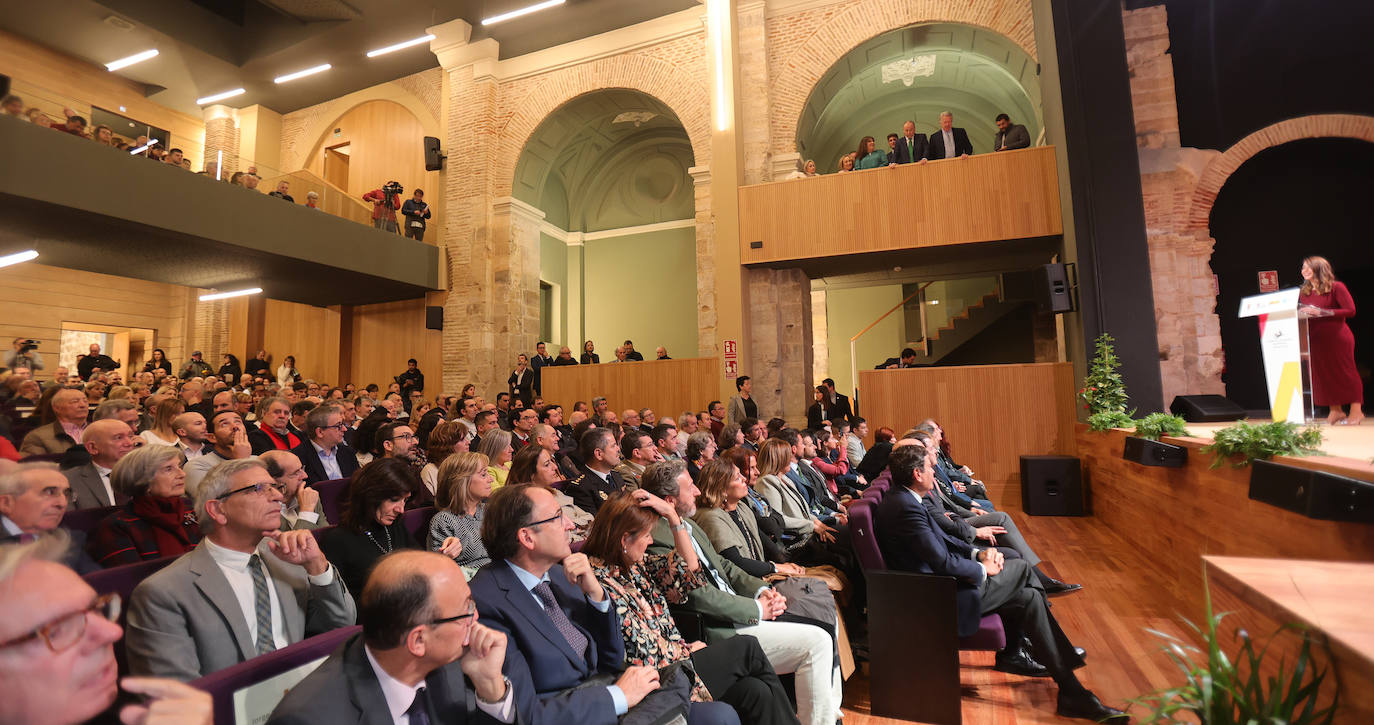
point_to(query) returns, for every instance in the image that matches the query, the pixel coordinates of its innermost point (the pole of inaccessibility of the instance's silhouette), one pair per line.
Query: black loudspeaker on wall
(1314, 494)
(434, 318)
(1047, 285)
(1153, 453)
(434, 157)
(1205, 408)
(1051, 486)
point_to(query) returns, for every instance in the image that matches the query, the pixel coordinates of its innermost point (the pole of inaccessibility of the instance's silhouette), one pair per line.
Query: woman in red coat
(1327, 304)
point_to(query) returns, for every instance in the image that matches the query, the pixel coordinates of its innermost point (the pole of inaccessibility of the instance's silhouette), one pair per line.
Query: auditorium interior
(675, 173)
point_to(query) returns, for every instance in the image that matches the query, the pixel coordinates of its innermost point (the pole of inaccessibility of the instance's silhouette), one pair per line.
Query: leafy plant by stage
(1251, 442)
(1155, 425)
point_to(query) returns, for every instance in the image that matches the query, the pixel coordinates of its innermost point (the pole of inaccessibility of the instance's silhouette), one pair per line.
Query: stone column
(752, 36)
(209, 331)
(707, 344)
(221, 138)
(514, 282)
(780, 334)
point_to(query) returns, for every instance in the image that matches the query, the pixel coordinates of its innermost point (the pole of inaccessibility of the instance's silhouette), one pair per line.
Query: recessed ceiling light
(399, 46)
(227, 295)
(18, 257)
(219, 96)
(135, 58)
(302, 73)
(522, 11)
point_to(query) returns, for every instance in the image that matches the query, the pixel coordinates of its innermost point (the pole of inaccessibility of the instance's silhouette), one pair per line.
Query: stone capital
(454, 48)
(509, 205)
(701, 175)
(780, 165)
(219, 112)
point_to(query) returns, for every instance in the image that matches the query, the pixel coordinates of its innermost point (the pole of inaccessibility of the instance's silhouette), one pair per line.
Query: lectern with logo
(1283, 342)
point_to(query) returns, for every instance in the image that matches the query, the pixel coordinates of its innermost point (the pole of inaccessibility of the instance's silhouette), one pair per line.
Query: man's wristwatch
(506, 681)
(681, 526)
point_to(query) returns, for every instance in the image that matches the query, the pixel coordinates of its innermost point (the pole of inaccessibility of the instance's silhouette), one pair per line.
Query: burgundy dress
(1335, 381)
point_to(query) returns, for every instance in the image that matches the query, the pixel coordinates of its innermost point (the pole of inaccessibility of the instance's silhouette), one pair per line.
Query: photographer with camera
(24, 355)
(385, 202)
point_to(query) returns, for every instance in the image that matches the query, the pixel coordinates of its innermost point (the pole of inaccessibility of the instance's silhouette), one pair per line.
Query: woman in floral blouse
(642, 585)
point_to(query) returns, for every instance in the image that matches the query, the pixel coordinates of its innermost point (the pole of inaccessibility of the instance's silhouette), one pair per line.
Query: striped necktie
(262, 606)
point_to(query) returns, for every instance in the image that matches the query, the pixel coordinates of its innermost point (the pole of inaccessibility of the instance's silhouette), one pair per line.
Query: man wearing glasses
(57, 634)
(33, 498)
(422, 655)
(397, 440)
(324, 454)
(247, 589)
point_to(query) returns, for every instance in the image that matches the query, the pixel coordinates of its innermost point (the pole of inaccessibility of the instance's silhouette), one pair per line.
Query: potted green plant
(1244, 442)
(1103, 393)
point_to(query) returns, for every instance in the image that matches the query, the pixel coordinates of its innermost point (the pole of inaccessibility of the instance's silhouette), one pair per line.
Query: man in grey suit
(240, 593)
(1009, 135)
(421, 654)
(107, 441)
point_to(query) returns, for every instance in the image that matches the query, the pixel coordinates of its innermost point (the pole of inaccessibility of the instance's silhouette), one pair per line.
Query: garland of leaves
(1155, 425)
(1263, 441)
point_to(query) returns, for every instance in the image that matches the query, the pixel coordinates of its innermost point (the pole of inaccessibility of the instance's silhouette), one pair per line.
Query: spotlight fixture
(227, 295)
(399, 46)
(219, 96)
(151, 143)
(503, 17)
(135, 58)
(302, 73)
(18, 257)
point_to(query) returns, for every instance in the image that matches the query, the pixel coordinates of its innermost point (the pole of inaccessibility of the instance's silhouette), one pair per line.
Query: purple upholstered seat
(417, 523)
(331, 496)
(86, 519)
(865, 539)
(223, 684)
(122, 580)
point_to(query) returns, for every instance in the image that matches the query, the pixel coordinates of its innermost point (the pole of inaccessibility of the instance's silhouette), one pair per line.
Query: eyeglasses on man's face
(62, 633)
(470, 615)
(257, 488)
(549, 520)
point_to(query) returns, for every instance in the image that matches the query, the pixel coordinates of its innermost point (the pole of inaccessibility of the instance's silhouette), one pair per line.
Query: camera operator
(385, 202)
(24, 355)
(416, 211)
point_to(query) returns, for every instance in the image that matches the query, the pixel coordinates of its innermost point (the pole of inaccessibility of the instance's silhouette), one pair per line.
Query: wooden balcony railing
(983, 198)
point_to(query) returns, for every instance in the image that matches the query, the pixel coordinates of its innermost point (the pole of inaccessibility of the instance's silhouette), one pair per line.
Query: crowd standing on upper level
(595, 567)
(948, 142)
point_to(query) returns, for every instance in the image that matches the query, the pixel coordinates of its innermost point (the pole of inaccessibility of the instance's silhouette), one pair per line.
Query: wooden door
(336, 166)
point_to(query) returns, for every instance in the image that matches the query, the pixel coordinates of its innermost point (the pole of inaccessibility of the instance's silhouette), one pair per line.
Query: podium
(1283, 342)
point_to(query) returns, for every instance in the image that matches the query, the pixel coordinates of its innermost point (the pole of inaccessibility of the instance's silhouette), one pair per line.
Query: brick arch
(797, 73)
(684, 94)
(1215, 175)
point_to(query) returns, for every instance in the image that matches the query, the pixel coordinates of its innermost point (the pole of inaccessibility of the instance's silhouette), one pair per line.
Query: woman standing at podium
(1327, 304)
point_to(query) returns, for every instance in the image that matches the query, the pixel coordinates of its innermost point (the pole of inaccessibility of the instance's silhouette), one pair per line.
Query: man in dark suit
(599, 480)
(631, 354)
(911, 147)
(987, 582)
(33, 498)
(323, 454)
(907, 360)
(421, 653)
(561, 626)
(541, 360)
(949, 142)
(273, 431)
(1010, 135)
(840, 408)
(106, 441)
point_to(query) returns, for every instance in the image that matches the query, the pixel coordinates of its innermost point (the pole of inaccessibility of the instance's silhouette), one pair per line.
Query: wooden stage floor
(1122, 596)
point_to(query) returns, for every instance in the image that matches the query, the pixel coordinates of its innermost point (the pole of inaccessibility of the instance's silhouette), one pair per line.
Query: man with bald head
(106, 441)
(301, 507)
(191, 434)
(33, 498)
(94, 360)
(422, 656)
(565, 357)
(55, 438)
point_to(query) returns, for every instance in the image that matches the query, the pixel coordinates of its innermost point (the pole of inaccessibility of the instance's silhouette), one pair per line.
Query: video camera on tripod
(393, 191)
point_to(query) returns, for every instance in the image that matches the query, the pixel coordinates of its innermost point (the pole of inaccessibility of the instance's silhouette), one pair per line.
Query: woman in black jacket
(159, 361)
(589, 355)
(230, 371)
(819, 412)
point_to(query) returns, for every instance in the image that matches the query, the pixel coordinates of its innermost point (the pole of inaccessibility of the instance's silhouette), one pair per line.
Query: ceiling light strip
(18, 257)
(219, 96)
(302, 73)
(135, 58)
(399, 46)
(522, 11)
(227, 295)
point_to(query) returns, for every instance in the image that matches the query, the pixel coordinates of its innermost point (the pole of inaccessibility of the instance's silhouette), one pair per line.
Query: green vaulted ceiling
(914, 73)
(607, 160)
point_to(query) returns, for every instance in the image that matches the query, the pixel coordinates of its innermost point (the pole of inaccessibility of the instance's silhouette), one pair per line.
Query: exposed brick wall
(781, 342)
(210, 330)
(221, 134)
(1151, 70)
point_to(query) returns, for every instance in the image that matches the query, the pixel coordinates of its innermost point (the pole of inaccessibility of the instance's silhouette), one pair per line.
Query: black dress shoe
(1055, 587)
(1088, 707)
(1019, 663)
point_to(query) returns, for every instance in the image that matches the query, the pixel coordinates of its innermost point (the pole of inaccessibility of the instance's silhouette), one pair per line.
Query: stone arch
(679, 90)
(798, 72)
(1214, 176)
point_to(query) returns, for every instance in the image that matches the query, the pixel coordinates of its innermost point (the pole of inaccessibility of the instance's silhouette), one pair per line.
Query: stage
(1348, 449)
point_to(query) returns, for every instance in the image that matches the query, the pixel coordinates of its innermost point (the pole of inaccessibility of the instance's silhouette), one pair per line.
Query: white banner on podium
(1281, 343)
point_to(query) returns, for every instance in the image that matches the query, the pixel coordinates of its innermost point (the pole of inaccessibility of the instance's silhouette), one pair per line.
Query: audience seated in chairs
(166, 409)
(597, 480)
(106, 441)
(445, 439)
(157, 520)
(323, 453)
(238, 594)
(496, 446)
(641, 584)
(69, 409)
(302, 505)
(228, 441)
(701, 449)
(535, 466)
(273, 430)
(465, 484)
(637, 452)
(33, 497)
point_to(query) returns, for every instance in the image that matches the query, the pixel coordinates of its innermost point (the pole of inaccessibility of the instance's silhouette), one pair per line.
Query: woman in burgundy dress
(1327, 304)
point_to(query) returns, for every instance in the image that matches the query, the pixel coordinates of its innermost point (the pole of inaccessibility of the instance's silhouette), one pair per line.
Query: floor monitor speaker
(1051, 486)
(1314, 494)
(1206, 408)
(1153, 453)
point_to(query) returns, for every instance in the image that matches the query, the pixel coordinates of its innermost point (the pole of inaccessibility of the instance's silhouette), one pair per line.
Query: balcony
(1003, 202)
(90, 207)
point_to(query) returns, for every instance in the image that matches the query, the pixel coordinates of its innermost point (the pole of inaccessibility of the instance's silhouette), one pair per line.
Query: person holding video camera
(416, 211)
(385, 202)
(24, 355)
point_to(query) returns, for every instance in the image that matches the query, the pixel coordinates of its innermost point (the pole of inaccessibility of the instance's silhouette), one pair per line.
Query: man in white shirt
(107, 441)
(241, 592)
(421, 649)
(301, 508)
(228, 440)
(191, 434)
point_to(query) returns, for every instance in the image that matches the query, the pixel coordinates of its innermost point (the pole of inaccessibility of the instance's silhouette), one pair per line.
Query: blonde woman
(495, 445)
(464, 486)
(162, 433)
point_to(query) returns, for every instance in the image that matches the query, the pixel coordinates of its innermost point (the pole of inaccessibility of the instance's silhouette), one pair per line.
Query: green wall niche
(642, 287)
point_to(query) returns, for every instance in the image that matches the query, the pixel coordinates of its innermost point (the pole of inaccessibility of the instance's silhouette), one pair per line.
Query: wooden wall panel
(990, 197)
(993, 414)
(670, 387)
(384, 336)
(37, 299)
(51, 80)
(310, 334)
(1180, 514)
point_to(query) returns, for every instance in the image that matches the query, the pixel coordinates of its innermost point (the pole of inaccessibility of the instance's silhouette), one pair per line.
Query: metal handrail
(854, 341)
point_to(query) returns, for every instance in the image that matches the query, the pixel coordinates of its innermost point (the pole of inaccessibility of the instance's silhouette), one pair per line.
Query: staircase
(965, 326)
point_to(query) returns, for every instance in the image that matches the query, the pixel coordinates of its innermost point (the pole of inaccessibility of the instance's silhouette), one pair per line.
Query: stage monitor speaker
(434, 318)
(1046, 285)
(1153, 453)
(434, 157)
(1314, 494)
(1051, 486)
(1206, 408)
